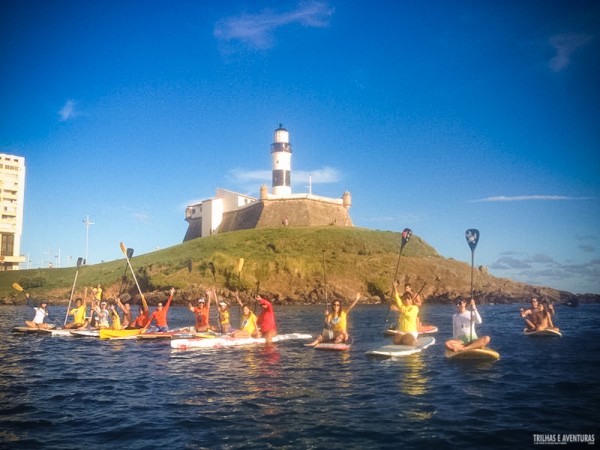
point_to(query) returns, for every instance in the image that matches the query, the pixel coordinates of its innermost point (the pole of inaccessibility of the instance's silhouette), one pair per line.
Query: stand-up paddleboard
(85, 333)
(332, 346)
(221, 342)
(548, 332)
(398, 351)
(30, 329)
(58, 332)
(180, 333)
(119, 334)
(479, 354)
(423, 329)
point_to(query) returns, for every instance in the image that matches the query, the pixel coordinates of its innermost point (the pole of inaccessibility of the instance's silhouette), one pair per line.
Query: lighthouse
(281, 152)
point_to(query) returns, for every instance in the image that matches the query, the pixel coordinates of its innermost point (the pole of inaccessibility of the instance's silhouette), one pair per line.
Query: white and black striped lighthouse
(281, 152)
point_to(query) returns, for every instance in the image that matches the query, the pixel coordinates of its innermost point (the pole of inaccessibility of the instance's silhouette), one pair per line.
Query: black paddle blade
(406, 234)
(129, 253)
(211, 266)
(79, 262)
(472, 236)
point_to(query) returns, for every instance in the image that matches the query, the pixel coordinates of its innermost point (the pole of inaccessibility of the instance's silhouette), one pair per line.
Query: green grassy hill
(286, 264)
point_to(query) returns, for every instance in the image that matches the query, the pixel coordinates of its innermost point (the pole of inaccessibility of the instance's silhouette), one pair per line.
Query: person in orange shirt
(160, 315)
(202, 311)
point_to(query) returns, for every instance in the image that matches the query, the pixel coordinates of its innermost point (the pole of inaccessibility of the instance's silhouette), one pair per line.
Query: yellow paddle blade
(18, 287)
(240, 264)
(144, 304)
(123, 248)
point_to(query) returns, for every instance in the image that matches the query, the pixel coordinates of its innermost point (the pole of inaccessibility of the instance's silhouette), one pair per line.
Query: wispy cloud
(67, 112)
(566, 45)
(541, 269)
(256, 30)
(141, 216)
(252, 179)
(521, 198)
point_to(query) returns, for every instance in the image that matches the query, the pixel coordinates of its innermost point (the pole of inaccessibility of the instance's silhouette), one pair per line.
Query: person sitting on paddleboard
(78, 313)
(41, 312)
(531, 316)
(248, 326)
(141, 320)
(336, 323)
(224, 324)
(463, 328)
(160, 315)
(201, 311)
(266, 319)
(545, 314)
(103, 315)
(407, 320)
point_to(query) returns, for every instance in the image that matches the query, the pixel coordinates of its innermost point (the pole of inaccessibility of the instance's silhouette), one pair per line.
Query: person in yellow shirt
(407, 320)
(248, 326)
(336, 323)
(78, 313)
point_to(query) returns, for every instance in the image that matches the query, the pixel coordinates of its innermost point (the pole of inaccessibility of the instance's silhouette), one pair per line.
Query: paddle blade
(123, 248)
(406, 235)
(130, 253)
(240, 264)
(472, 236)
(79, 262)
(18, 287)
(211, 266)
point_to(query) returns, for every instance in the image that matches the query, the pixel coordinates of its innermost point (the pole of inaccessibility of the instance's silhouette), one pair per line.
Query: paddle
(406, 235)
(124, 250)
(129, 255)
(325, 283)
(79, 262)
(18, 287)
(472, 236)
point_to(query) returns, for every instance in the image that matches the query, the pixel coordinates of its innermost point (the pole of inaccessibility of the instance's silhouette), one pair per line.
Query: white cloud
(256, 30)
(520, 198)
(566, 45)
(68, 111)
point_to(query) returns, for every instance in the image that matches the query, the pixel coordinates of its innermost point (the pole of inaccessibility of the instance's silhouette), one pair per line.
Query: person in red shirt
(160, 315)
(266, 319)
(202, 312)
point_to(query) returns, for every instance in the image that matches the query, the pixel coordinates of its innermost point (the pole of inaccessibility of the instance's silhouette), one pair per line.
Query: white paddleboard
(397, 351)
(86, 333)
(221, 342)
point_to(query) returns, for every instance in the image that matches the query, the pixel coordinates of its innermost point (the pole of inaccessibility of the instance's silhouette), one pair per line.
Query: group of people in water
(464, 336)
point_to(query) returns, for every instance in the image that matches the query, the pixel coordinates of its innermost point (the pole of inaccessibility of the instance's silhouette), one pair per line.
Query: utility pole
(87, 224)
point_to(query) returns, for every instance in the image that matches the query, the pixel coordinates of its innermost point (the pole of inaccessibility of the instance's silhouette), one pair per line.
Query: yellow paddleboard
(480, 354)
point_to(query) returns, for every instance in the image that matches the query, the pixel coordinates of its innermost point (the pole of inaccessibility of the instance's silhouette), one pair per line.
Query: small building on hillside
(232, 211)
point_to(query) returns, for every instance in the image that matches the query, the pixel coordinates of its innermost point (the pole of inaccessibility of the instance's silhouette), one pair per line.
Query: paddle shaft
(71, 297)
(325, 283)
(144, 304)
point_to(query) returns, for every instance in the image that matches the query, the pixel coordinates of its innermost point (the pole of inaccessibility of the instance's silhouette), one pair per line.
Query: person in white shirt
(463, 328)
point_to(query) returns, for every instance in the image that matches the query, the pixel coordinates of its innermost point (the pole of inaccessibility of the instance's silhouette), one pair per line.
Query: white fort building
(231, 211)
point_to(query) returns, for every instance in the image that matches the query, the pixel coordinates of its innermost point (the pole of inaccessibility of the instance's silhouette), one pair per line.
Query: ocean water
(76, 393)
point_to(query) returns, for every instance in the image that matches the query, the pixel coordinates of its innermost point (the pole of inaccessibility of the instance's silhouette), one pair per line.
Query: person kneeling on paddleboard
(266, 319)
(336, 329)
(463, 328)
(407, 320)
(160, 315)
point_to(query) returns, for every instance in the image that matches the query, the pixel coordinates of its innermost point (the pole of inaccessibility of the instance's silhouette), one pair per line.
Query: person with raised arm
(41, 313)
(248, 322)
(266, 319)
(160, 315)
(336, 323)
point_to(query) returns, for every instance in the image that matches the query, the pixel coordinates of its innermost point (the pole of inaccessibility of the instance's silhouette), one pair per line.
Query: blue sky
(437, 116)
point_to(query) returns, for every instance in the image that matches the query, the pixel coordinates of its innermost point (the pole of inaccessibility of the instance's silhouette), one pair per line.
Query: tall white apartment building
(12, 196)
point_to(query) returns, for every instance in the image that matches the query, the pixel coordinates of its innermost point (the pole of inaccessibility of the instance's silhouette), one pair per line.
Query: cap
(223, 304)
(201, 300)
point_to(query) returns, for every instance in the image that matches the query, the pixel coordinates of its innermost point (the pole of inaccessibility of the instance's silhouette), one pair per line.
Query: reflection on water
(58, 391)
